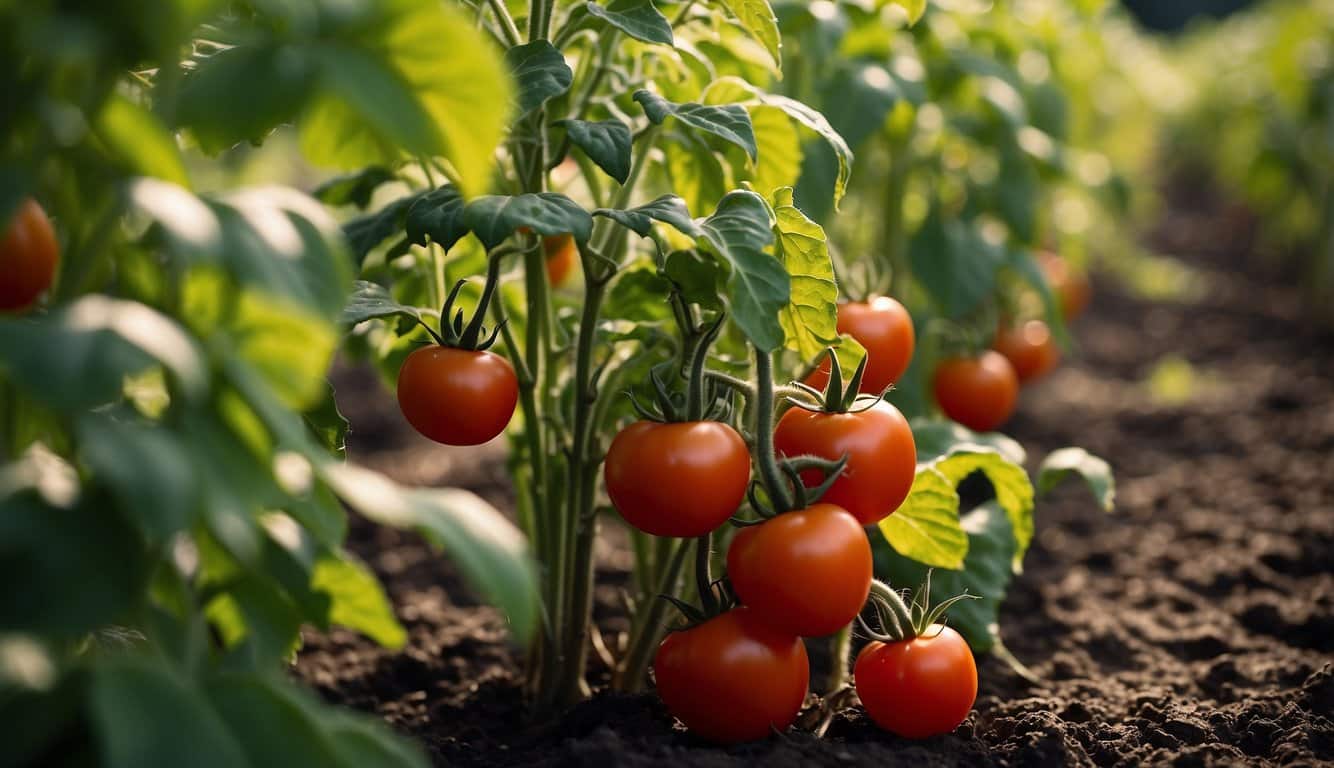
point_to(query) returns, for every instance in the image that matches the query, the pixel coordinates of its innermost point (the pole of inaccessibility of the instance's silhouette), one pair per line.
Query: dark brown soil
(1194, 625)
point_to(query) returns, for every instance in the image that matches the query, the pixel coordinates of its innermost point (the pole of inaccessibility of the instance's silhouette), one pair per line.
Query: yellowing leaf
(810, 317)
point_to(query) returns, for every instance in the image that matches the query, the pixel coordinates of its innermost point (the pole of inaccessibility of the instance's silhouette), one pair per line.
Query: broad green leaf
(816, 122)
(136, 138)
(695, 172)
(758, 287)
(143, 714)
(364, 233)
(488, 548)
(810, 318)
(955, 265)
(986, 573)
(371, 300)
(437, 217)
(729, 122)
(1096, 472)
(291, 348)
(101, 341)
(354, 188)
(539, 71)
(276, 721)
(867, 92)
(637, 18)
(363, 741)
(191, 229)
(939, 438)
(668, 209)
(141, 462)
(256, 620)
(638, 295)
(779, 161)
(357, 600)
(1014, 491)
(926, 527)
(493, 218)
(700, 280)
(240, 94)
(607, 143)
(757, 18)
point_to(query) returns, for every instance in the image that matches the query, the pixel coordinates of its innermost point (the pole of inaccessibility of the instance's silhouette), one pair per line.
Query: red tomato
(978, 392)
(918, 688)
(1030, 348)
(457, 396)
(884, 327)
(1070, 286)
(562, 253)
(806, 572)
(732, 678)
(882, 456)
(677, 479)
(29, 254)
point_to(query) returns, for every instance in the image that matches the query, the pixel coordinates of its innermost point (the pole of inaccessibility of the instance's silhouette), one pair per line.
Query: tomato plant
(29, 254)
(978, 392)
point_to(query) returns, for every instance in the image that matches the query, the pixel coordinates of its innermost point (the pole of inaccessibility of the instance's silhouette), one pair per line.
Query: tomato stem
(704, 575)
(765, 458)
(646, 631)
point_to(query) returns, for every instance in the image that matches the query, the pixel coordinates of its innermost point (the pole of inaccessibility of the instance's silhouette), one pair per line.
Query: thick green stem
(703, 573)
(647, 632)
(770, 474)
(840, 648)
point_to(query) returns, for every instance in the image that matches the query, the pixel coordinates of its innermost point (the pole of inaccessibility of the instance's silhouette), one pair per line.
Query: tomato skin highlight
(29, 254)
(918, 688)
(677, 479)
(457, 396)
(1030, 348)
(732, 678)
(883, 326)
(561, 252)
(977, 392)
(1070, 285)
(882, 456)
(806, 572)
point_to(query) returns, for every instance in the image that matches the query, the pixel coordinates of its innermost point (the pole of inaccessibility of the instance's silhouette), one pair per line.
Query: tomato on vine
(677, 479)
(1029, 347)
(29, 254)
(884, 328)
(805, 572)
(732, 678)
(561, 253)
(1069, 285)
(457, 396)
(978, 392)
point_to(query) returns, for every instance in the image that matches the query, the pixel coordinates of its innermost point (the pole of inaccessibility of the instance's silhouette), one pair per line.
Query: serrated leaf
(357, 601)
(817, 123)
(1097, 473)
(637, 18)
(354, 188)
(437, 217)
(926, 527)
(493, 218)
(669, 209)
(371, 300)
(757, 18)
(540, 72)
(1014, 491)
(730, 122)
(810, 319)
(607, 143)
(758, 287)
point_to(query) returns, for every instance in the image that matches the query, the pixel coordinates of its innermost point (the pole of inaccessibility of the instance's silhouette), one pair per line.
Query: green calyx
(837, 398)
(902, 621)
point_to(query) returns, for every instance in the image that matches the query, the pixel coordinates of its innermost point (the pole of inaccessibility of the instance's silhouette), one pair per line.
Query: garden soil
(1193, 625)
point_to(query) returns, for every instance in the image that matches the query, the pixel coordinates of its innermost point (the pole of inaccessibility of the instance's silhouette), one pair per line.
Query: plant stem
(703, 576)
(770, 474)
(646, 633)
(507, 26)
(840, 647)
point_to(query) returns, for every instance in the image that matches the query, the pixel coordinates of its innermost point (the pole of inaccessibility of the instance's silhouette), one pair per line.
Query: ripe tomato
(1029, 348)
(978, 392)
(29, 254)
(1070, 286)
(882, 456)
(806, 572)
(732, 678)
(918, 688)
(457, 396)
(561, 254)
(677, 479)
(884, 327)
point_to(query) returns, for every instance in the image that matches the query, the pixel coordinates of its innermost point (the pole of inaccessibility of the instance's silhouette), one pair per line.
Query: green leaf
(275, 720)
(810, 318)
(256, 620)
(136, 137)
(540, 72)
(291, 348)
(140, 462)
(354, 188)
(668, 209)
(493, 218)
(926, 527)
(779, 161)
(240, 94)
(362, 741)
(101, 341)
(142, 715)
(730, 122)
(955, 265)
(867, 92)
(816, 122)
(488, 548)
(758, 287)
(986, 573)
(939, 438)
(1096, 472)
(607, 143)
(700, 280)
(364, 233)
(757, 18)
(1014, 491)
(636, 18)
(914, 8)
(370, 300)
(437, 217)
(358, 601)
(191, 229)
